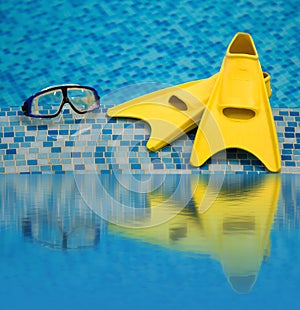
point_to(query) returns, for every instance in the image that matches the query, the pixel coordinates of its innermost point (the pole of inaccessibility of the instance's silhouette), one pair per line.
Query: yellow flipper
(172, 111)
(238, 113)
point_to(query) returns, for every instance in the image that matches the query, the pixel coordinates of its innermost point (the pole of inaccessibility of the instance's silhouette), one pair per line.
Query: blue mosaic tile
(8, 157)
(3, 145)
(11, 151)
(290, 129)
(290, 164)
(79, 167)
(18, 139)
(170, 166)
(133, 160)
(87, 154)
(45, 168)
(31, 128)
(289, 135)
(20, 162)
(8, 134)
(57, 167)
(25, 145)
(259, 168)
(98, 154)
(177, 160)
(32, 162)
(102, 156)
(47, 144)
(20, 134)
(51, 138)
(155, 160)
(75, 154)
(56, 149)
(29, 138)
(99, 160)
(66, 161)
(288, 146)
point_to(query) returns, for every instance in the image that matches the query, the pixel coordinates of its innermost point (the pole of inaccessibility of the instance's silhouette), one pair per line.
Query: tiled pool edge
(95, 143)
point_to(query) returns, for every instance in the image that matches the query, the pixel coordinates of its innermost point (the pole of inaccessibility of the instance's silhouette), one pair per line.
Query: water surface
(233, 243)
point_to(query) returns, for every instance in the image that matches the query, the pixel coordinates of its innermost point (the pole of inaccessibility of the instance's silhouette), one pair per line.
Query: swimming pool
(124, 51)
(109, 45)
(166, 241)
(240, 252)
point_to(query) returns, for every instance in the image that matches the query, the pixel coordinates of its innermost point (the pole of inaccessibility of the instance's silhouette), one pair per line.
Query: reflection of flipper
(238, 113)
(235, 230)
(172, 111)
(237, 226)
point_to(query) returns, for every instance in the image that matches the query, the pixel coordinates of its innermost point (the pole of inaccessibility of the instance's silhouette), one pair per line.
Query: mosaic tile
(43, 152)
(148, 42)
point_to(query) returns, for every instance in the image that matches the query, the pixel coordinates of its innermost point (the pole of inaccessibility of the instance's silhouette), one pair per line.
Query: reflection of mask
(53, 235)
(57, 216)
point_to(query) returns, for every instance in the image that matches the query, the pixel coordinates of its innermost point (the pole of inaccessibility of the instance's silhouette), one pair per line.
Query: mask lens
(82, 99)
(47, 103)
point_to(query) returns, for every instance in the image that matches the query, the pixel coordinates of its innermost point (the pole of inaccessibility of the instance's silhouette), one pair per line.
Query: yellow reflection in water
(235, 229)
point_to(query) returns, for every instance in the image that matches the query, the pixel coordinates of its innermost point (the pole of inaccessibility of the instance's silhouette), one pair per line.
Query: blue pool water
(110, 44)
(233, 244)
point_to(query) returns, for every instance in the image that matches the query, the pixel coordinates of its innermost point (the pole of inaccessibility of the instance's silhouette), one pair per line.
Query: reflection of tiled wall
(94, 143)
